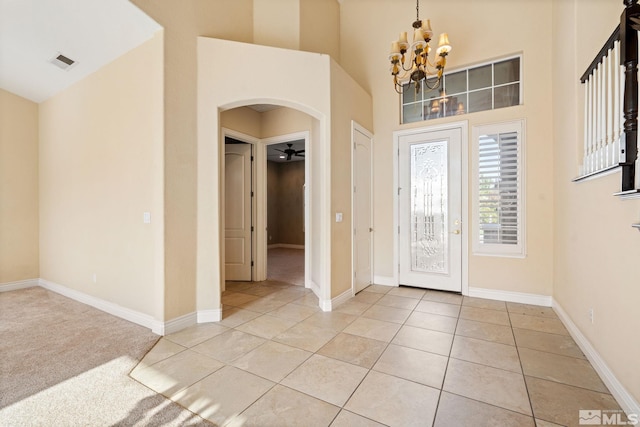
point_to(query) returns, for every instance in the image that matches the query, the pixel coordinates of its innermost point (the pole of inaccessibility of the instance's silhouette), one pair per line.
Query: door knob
(456, 231)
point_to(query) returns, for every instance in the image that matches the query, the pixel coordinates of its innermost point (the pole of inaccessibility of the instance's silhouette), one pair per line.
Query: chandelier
(417, 66)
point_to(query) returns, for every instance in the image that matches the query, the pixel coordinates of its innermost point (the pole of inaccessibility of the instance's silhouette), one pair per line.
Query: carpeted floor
(286, 265)
(63, 363)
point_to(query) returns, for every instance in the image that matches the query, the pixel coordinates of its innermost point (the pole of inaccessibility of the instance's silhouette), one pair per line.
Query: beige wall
(466, 23)
(308, 25)
(101, 167)
(183, 21)
(320, 27)
(596, 250)
(283, 121)
(243, 120)
(221, 88)
(348, 102)
(285, 205)
(277, 23)
(333, 99)
(18, 188)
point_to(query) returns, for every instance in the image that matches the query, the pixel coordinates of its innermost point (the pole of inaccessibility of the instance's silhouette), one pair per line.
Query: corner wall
(466, 23)
(183, 22)
(349, 102)
(101, 168)
(221, 88)
(18, 189)
(597, 252)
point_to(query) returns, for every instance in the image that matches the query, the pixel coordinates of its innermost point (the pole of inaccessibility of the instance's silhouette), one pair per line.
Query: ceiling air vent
(62, 61)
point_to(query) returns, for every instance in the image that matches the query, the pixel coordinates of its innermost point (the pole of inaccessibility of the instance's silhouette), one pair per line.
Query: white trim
(308, 199)
(209, 316)
(178, 323)
(497, 249)
(329, 305)
(314, 287)
(284, 245)
(520, 297)
(20, 284)
(595, 175)
(356, 127)
(466, 68)
(385, 281)
(258, 269)
(141, 319)
(464, 139)
(619, 392)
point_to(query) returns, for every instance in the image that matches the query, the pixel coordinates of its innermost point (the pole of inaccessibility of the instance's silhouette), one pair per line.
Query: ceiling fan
(290, 152)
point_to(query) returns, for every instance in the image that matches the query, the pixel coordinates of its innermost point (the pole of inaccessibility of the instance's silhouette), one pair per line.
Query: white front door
(430, 210)
(237, 237)
(362, 221)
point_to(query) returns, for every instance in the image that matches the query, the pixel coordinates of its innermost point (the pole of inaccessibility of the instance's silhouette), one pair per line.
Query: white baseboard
(20, 284)
(157, 327)
(208, 316)
(619, 392)
(384, 280)
(178, 324)
(314, 288)
(330, 304)
(284, 245)
(520, 297)
(106, 306)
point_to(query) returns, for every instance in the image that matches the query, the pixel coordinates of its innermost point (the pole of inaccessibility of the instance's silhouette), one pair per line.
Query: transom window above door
(483, 87)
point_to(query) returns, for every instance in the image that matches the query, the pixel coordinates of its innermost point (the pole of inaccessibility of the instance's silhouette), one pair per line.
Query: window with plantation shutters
(498, 201)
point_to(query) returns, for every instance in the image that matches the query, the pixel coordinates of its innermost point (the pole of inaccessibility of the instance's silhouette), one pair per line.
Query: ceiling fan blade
(275, 149)
(288, 156)
(299, 151)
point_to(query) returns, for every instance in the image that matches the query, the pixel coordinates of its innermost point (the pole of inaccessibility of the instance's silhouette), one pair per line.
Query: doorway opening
(286, 212)
(282, 232)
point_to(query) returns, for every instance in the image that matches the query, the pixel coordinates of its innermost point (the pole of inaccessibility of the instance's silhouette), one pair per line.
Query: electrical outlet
(95, 278)
(591, 314)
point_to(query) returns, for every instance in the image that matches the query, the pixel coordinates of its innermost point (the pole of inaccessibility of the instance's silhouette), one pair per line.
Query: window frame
(499, 249)
(466, 69)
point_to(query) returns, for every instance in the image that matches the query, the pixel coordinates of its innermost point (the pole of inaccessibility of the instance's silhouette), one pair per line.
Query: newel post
(629, 25)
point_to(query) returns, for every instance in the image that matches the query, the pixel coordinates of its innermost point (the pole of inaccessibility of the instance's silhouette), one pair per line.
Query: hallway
(390, 356)
(286, 265)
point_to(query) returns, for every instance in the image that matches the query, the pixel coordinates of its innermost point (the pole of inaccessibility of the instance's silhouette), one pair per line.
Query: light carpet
(64, 363)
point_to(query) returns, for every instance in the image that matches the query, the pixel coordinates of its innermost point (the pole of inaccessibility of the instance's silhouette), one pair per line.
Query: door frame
(256, 272)
(260, 238)
(356, 127)
(463, 126)
(307, 199)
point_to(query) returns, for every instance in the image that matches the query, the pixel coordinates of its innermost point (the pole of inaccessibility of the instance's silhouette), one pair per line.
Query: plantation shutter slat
(498, 187)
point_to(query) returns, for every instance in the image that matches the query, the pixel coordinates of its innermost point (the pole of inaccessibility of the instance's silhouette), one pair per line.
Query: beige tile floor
(390, 356)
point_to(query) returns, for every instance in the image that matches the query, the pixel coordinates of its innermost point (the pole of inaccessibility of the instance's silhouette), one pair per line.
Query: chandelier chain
(417, 10)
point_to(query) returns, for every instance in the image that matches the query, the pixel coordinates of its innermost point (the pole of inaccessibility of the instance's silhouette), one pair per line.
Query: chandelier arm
(410, 67)
(435, 86)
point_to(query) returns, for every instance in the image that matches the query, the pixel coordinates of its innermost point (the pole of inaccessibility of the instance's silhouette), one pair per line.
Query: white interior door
(362, 206)
(430, 210)
(237, 237)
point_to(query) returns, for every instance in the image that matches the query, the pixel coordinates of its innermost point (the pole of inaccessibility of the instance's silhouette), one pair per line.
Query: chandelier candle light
(417, 66)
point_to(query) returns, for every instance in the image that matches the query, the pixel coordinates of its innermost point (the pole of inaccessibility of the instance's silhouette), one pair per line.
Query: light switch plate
(339, 217)
(146, 218)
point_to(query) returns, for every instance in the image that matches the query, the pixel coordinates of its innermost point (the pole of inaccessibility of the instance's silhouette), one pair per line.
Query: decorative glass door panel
(429, 207)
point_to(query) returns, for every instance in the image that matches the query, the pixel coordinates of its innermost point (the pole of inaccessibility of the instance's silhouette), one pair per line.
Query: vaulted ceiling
(90, 32)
